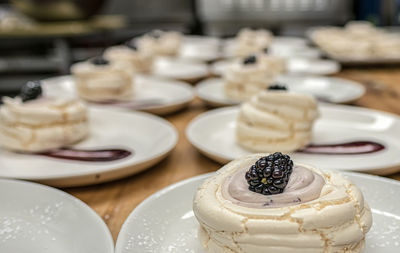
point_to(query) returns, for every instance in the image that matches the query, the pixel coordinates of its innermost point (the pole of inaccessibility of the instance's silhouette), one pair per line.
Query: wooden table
(114, 201)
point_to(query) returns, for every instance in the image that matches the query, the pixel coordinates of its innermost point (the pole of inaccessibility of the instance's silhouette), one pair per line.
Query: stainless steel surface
(225, 17)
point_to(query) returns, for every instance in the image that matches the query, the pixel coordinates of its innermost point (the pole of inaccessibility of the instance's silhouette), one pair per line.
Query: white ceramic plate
(40, 219)
(200, 48)
(328, 89)
(168, 95)
(151, 138)
(213, 134)
(302, 66)
(180, 69)
(286, 47)
(165, 222)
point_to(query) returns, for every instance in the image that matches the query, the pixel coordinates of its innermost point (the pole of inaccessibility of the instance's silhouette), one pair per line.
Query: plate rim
(166, 108)
(223, 159)
(143, 164)
(72, 198)
(167, 189)
(220, 102)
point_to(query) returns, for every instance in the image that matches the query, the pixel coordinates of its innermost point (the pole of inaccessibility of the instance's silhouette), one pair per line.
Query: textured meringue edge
(242, 82)
(39, 128)
(274, 120)
(337, 221)
(141, 62)
(102, 83)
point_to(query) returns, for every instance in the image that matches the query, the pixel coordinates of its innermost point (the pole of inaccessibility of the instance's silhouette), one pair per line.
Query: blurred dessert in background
(101, 80)
(160, 43)
(276, 119)
(358, 40)
(31, 123)
(246, 77)
(250, 41)
(266, 203)
(273, 64)
(141, 60)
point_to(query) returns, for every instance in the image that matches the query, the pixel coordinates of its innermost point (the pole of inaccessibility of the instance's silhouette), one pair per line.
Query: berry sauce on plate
(99, 155)
(348, 148)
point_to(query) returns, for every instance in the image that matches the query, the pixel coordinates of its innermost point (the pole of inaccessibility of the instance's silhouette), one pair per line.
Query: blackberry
(251, 59)
(131, 45)
(31, 90)
(270, 174)
(99, 60)
(278, 87)
(156, 34)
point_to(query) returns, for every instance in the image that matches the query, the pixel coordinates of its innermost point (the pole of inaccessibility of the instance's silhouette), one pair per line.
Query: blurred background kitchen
(41, 38)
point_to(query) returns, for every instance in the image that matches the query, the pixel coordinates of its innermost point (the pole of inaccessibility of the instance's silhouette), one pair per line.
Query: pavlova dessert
(276, 119)
(130, 54)
(249, 41)
(265, 203)
(100, 80)
(31, 123)
(161, 43)
(358, 40)
(246, 77)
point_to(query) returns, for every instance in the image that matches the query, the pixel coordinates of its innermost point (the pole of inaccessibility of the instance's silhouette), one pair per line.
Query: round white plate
(328, 89)
(163, 224)
(287, 47)
(213, 134)
(152, 94)
(180, 69)
(302, 66)
(151, 138)
(40, 219)
(200, 48)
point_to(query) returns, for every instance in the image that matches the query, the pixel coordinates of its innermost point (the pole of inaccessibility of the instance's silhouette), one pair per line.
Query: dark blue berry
(252, 59)
(99, 60)
(131, 44)
(270, 174)
(31, 90)
(278, 87)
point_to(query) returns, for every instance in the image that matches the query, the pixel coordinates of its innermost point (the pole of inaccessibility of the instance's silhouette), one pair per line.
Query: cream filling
(304, 185)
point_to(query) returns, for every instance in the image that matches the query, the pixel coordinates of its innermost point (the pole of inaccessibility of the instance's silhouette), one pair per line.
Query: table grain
(114, 201)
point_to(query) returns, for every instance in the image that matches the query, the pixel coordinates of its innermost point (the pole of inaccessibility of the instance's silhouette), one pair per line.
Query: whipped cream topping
(304, 185)
(42, 124)
(336, 221)
(276, 120)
